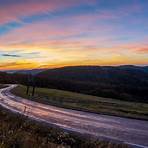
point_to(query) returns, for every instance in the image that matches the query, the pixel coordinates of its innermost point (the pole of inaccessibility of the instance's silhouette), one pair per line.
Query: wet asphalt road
(130, 131)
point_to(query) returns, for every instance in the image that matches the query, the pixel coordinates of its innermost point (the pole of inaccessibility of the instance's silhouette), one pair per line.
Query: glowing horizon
(57, 33)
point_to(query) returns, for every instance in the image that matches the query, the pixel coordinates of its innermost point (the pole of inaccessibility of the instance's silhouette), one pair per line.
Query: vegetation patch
(84, 102)
(18, 131)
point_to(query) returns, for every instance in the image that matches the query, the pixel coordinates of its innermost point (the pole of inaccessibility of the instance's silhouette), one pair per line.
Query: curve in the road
(130, 131)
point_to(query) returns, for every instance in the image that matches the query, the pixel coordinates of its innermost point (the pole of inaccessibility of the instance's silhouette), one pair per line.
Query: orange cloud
(18, 65)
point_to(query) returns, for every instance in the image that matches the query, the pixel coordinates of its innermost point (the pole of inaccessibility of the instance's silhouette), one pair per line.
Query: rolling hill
(122, 82)
(126, 82)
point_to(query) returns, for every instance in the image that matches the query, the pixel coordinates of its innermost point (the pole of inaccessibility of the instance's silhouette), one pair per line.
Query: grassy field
(83, 102)
(17, 131)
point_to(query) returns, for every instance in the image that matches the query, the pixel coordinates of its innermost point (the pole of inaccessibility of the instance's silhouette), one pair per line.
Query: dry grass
(17, 131)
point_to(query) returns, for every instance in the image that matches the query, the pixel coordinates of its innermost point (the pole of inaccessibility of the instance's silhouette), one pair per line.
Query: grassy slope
(19, 132)
(86, 102)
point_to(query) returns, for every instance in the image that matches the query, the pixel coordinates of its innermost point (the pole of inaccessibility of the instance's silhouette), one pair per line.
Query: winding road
(130, 131)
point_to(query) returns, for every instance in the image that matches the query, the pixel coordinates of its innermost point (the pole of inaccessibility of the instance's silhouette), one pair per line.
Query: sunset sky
(56, 33)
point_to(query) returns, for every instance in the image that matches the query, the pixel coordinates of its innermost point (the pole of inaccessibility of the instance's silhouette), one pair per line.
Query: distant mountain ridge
(121, 82)
(37, 71)
(79, 72)
(31, 71)
(143, 68)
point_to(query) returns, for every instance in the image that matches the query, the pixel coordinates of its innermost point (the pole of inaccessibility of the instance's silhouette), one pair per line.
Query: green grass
(83, 102)
(17, 131)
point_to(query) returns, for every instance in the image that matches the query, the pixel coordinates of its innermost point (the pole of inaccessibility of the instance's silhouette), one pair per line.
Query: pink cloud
(61, 27)
(13, 11)
(143, 50)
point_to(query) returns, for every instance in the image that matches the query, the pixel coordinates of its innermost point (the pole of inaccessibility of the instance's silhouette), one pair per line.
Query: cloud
(143, 50)
(9, 64)
(18, 65)
(56, 33)
(89, 34)
(10, 12)
(53, 34)
(10, 55)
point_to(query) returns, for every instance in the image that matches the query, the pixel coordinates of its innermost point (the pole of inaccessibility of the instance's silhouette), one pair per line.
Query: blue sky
(55, 33)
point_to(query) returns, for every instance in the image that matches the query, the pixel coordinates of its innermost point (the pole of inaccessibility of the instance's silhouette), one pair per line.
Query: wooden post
(27, 89)
(28, 83)
(33, 91)
(33, 85)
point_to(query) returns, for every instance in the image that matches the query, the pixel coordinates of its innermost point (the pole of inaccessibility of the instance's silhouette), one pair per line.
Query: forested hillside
(122, 82)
